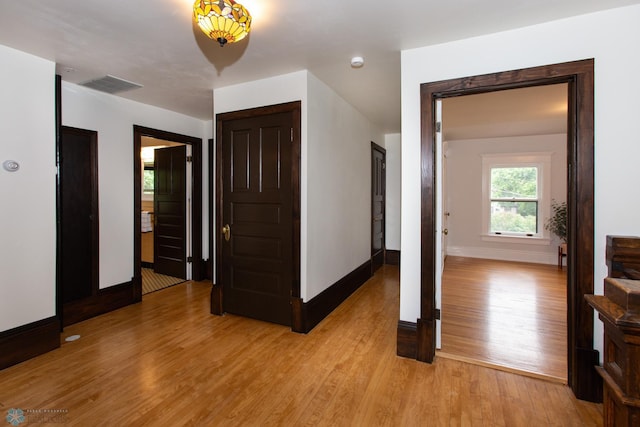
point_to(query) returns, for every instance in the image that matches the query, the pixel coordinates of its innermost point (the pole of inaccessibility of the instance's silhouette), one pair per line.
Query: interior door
(378, 186)
(78, 262)
(256, 266)
(170, 216)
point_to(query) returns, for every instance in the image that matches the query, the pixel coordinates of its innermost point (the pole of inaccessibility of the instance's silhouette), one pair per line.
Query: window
(515, 194)
(147, 179)
(514, 200)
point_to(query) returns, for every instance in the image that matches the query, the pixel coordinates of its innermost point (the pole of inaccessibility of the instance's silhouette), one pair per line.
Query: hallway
(167, 361)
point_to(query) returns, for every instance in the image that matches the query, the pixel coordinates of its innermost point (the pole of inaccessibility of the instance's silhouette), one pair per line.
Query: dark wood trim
(145, 264)
(295, 108)
(582, 375)
(211, 169)
(214, 235)
(407, 339)
(392, 257)
(216, 300)
(306, 315)
(106, 300)
(197, 269)
(58, 115)
(27, 341)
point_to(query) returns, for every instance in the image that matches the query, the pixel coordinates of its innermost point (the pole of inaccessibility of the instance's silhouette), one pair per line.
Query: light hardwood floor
(509, 314)
(168, 362)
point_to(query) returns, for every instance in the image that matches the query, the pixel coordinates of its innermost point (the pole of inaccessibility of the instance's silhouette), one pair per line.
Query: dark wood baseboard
(306, 315)
(587, 381)
(145, 264)
(27, 341)
(392, 257)
(106, 300)
(407, 341)
(208, 268)
(216, 300)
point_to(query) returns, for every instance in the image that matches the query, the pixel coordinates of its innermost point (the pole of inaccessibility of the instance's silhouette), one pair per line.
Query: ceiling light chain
(222, 20)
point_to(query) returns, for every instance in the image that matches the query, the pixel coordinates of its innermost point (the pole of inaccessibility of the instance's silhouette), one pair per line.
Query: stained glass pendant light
(222, 20)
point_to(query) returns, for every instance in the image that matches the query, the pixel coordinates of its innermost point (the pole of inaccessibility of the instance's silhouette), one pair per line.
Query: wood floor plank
(167, 361)
(506, 313)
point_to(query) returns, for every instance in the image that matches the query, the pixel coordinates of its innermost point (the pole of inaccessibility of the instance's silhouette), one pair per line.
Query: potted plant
(557, 223)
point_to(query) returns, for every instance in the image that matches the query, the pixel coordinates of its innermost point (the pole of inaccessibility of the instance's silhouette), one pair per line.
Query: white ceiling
(155, 44)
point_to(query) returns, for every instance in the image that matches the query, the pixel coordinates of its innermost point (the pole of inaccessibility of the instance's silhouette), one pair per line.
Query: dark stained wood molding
(295, 108)
(392, 257)
(407, 345)
(145, 264)
(58, 115)
(307, 315)
(211, 169)
(425, 337)
(582, 376)
(197, 270)
(216, 300)
(106, 300)
(27, 341)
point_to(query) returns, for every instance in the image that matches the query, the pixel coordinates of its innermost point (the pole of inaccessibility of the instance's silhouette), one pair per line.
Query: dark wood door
(169, 207)
(378, 188)
(78, 261)
(256, 254)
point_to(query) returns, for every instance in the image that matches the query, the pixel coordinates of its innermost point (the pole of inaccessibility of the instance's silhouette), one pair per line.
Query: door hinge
(291, 134)
(189, 259)
(437, 314)
(189, 158)
(438, 127)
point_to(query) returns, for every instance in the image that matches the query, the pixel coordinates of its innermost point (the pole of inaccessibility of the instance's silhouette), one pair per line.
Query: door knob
(446, 231)
(226, 230)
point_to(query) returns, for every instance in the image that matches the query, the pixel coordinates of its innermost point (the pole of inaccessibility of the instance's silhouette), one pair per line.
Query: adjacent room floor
(152, 281)
(507, 314)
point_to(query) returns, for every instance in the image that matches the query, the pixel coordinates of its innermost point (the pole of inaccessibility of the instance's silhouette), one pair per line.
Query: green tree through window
(514, 200)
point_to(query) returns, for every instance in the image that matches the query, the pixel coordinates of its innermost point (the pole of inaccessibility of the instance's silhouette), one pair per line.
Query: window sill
(526, 240)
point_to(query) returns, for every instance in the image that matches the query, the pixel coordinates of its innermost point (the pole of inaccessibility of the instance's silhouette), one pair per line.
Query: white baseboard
(503, 254)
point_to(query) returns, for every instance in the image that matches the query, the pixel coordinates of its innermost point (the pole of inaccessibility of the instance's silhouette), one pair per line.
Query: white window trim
(541, 160)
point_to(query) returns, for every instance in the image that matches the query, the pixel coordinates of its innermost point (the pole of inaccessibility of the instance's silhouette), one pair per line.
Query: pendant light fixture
(222, 20)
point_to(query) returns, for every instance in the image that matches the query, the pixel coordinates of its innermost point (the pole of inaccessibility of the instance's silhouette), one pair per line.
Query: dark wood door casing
(170, 212)
(198, 268)
(378, 198)
(582, 376)
(229, 192)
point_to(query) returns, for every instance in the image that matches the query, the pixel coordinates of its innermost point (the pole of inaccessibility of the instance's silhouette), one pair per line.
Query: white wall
(339, 187)
(465, 197)
(113, 118)
(606, 36)
(27, 217)
(335, 173)
(394, 169)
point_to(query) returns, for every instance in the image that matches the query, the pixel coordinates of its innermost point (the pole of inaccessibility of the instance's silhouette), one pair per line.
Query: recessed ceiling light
(357, 61)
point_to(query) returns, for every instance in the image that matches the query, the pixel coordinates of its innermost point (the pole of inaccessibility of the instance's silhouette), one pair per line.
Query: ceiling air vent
(110, 84)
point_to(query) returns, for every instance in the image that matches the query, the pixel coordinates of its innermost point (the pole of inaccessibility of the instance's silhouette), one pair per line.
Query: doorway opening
(165, 219)
(185, 256)
(582, 357)
(503, 163)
